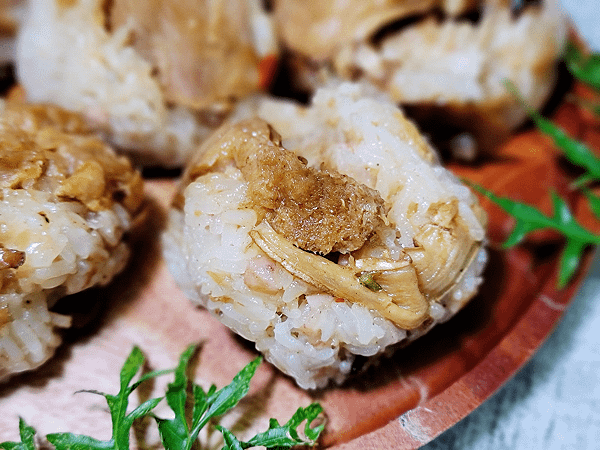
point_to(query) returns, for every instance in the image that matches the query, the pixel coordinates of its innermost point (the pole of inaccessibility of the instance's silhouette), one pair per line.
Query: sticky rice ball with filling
(324, 232)
(155, 77)
(66, 204)
(447, 60)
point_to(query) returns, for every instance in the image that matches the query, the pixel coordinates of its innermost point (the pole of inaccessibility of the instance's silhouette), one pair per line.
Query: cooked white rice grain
(62, 229)
(222, 249)
(152, 83)
(449, 67)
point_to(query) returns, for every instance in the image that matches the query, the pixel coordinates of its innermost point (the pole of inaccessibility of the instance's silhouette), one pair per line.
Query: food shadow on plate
(97, 306)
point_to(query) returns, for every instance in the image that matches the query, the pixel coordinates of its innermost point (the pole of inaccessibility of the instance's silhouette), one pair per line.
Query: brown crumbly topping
(47, 148)
(318, 210)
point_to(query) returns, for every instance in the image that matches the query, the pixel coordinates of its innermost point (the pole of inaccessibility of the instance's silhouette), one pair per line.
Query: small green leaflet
(286, 436)
(529, 218)
(121, 420)
(27, 443)
(366, 279)
(586, 69)
(180, 433)
(176, 434)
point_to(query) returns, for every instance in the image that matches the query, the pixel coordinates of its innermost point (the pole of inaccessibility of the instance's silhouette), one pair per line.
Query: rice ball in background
(324, 232)
(154, 76)
(447, 59)
(66, 205)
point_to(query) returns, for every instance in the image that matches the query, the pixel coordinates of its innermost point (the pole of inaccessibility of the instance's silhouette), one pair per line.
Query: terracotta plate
(402, 403)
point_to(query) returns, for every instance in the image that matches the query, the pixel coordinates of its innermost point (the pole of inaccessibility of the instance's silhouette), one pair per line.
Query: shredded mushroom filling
(400, 289)
(399, 299)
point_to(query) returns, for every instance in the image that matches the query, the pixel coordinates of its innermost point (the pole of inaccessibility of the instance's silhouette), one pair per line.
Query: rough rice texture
(134, 69)
(66, 202)
(309, 332)
(455, 65)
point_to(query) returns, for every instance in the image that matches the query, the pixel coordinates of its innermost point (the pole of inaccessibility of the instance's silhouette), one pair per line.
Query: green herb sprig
(121, 420)
(177, 433)
(281, 436)
(529, 218)
(26, 434)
